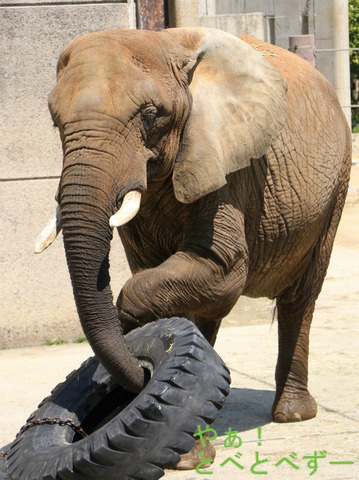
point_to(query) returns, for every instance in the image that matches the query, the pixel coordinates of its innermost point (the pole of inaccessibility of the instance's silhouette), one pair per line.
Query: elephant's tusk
(49, 233)
(129, 208)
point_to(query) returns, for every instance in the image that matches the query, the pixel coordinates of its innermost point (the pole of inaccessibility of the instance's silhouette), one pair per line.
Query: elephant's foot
(190, 460)
(293, 406)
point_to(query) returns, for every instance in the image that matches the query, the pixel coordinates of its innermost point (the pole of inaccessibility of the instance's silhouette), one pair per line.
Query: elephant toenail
(296, 417)
(280, 418)
(186, 465)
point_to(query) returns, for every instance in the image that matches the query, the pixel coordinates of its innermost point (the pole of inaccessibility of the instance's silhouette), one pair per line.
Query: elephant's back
(313, 147)
(312, 101)
(300, 176)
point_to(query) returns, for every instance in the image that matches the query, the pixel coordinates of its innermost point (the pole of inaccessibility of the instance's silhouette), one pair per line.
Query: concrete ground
(247, 342)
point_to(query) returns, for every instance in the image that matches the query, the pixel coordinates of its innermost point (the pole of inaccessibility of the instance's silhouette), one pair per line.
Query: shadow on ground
(245, 409)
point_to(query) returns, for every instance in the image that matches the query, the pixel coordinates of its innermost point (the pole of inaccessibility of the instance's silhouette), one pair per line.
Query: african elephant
(224, 164)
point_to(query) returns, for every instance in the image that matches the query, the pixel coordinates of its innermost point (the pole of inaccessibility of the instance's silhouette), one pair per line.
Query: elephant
(223, 162)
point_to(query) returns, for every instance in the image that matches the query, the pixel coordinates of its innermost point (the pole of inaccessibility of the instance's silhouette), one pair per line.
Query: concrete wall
(203, 13)
(247, 24)
(36, 297)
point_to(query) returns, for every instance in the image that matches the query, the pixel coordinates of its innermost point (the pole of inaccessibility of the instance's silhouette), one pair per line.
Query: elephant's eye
(149, 117)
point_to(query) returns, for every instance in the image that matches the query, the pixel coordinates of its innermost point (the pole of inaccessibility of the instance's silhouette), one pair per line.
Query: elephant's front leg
(209, 328)
(187, 284)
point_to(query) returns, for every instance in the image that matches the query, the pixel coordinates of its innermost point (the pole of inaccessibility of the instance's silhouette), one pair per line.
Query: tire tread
(189, 366)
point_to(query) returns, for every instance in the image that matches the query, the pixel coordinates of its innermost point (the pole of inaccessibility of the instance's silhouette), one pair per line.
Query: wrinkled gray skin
(242, 155)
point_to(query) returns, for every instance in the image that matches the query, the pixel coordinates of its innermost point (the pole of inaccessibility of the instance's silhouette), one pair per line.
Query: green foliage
(354, 56)
(49, 343)
(60, 341)
(80, 340)
(354, 36)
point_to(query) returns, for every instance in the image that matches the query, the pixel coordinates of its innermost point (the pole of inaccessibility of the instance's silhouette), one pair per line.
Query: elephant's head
(134, 108)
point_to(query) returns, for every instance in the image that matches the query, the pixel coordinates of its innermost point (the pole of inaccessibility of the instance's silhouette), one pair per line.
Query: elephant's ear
(238, 110)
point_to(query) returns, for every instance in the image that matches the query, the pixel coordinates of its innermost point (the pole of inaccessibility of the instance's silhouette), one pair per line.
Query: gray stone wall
(247, 24)
(204, 13)
(36, 301)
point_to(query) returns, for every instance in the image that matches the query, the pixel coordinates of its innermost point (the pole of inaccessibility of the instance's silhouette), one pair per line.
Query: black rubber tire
(3, 470)
(146, 432)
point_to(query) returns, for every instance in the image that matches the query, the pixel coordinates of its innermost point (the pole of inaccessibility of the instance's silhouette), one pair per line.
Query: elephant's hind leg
(293, 401)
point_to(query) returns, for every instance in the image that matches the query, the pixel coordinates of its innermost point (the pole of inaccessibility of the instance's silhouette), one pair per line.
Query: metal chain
(50, 421)
(53, 421)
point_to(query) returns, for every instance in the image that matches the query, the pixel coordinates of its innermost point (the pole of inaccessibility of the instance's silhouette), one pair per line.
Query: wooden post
(150, 14)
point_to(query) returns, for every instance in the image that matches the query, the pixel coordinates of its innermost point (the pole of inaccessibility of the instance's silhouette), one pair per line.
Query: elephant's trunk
(85, 213)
